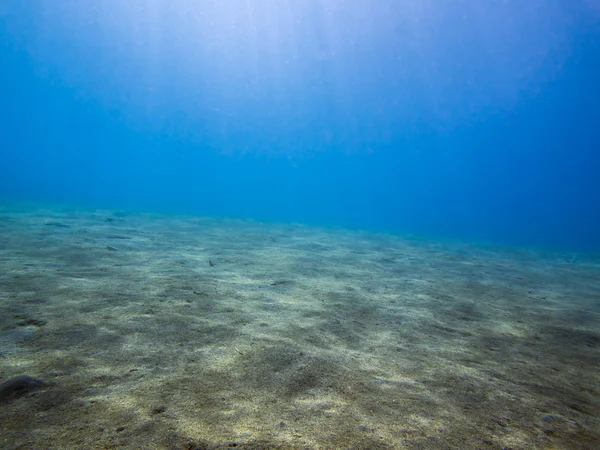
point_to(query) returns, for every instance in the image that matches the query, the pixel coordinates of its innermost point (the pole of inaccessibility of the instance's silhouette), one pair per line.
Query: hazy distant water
(455, 120)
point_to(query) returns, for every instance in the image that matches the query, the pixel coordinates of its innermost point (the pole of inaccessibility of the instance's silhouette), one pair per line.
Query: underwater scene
(316, 224)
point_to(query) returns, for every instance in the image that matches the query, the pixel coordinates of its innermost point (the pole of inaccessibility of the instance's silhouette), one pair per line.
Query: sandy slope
(295, 337)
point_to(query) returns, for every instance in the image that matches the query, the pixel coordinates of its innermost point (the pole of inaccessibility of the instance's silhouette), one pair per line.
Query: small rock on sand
(19, 387)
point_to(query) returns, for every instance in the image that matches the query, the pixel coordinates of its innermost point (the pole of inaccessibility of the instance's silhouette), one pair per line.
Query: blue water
(467, 119)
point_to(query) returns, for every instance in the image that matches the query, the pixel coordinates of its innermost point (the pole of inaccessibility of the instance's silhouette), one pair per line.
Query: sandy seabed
(157, 331)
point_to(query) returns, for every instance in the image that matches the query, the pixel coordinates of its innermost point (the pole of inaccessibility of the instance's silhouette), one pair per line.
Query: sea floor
(155, 331)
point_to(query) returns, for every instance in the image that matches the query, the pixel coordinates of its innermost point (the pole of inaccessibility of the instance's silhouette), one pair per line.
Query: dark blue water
(459, 119)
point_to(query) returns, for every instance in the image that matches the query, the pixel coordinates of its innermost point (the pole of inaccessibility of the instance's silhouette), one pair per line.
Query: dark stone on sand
(158, 410)
(555, 423)
(18, 387)
(34, 322)
(57, 225)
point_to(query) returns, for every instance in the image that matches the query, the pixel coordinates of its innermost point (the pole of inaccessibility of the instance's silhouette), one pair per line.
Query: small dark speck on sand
(34, 322)
(158, 410)
(57, 225)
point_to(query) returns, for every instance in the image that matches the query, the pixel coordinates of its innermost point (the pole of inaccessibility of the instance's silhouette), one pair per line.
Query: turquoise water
(451, 119)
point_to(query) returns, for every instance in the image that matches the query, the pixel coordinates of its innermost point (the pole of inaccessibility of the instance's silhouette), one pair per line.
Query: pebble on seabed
(19, 387)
